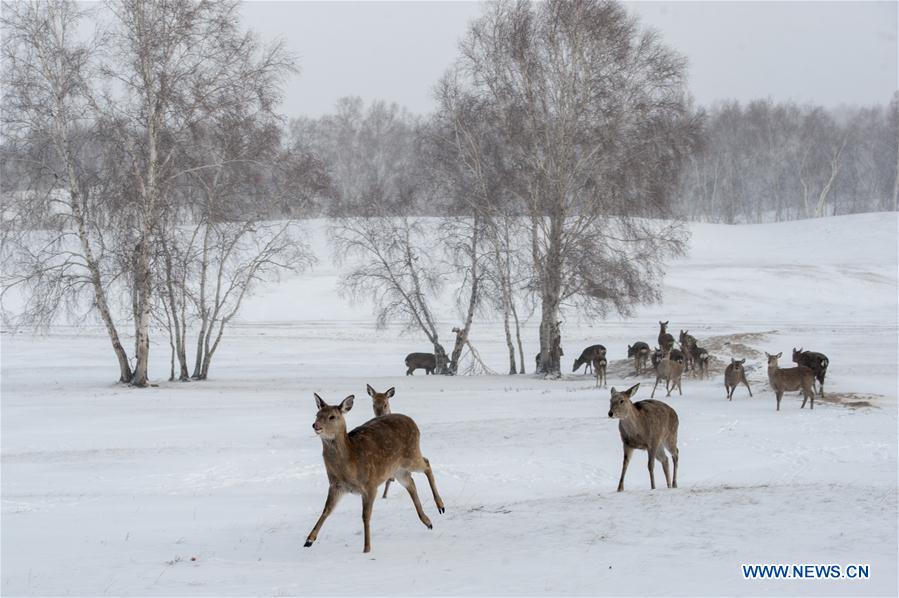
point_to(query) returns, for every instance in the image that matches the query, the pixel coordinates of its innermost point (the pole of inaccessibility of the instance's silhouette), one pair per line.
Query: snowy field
(211, 488)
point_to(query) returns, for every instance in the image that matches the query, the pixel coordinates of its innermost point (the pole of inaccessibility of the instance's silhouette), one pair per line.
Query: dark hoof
(441, 510)
(307, 544)
(430, 526)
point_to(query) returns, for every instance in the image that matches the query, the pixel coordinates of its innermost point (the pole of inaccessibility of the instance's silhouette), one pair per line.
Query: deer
(666, 341)
(700, 359)
(687, 343)
(640, 352)
(817, 362)
(425, 361)
(359, 461)
(733, 375)
(671, 371)
(646, 425)
(380, 403)
(790, 379)
(561, 353)
(599, 368)
(587, 357)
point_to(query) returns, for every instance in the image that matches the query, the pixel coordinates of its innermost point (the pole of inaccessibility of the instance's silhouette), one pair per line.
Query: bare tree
(593, 113)
(47, 105)
(177, 65)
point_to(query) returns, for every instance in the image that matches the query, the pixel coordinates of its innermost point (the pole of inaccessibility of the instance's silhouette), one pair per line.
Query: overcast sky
(828, 53)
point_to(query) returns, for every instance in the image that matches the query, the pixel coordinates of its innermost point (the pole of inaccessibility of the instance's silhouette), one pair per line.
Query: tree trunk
(521, 360)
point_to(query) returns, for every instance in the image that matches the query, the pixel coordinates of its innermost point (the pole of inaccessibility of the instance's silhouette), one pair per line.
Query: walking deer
(734, 374)
(666, 341)
(599, 368)
(587, 357)
(700, 359)
(361, 460)
(647, 425)
(425, 361)
(671, 371)
(380, 403)
(817, 362)
(640, 352)
(790, 379)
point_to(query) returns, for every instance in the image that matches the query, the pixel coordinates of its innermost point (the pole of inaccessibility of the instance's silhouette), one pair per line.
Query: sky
(828, 53)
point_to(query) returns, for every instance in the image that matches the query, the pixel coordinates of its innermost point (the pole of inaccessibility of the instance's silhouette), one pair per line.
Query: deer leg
(627, 459)
(674, 457)
(779, 395)
(331, 502)
(652, 466)
(747, 387)
(680, 390)
(368, 500)
(406, 481)
(425, 466)
(663, 459)
(653, 394)
(386, 486)
(804, 398)
(409, 371)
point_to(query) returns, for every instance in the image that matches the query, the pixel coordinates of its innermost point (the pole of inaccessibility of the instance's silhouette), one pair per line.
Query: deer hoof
(307, 544)
(441, 510)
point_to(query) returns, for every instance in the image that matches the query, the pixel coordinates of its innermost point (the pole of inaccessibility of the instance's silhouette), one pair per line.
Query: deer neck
(337, 450)
(629, 422)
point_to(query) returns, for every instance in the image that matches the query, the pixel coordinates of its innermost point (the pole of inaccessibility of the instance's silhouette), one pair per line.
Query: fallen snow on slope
(210, 488)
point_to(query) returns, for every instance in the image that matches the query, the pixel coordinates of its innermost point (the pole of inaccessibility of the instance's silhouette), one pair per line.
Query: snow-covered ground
(210, 488)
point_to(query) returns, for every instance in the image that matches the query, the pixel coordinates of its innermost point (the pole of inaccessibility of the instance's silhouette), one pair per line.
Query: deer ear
(742, 361)
(347, 403)
(371, 391)
(632, 390)
(779, 355)
(613, 391)
(319, 402)
(390, 392)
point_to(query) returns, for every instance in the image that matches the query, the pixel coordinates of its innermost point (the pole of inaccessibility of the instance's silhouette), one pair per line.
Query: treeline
(767, 161)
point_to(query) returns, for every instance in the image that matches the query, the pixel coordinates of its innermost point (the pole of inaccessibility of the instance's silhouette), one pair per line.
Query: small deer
(734, 374)
(790, 379)
(671, 371)
(687, 344)
(561, 354)
(656, 356)
(666, 341)
(359, 461)
(700, 359)
(425, 361)
(599, 368)
(647, 425)
(640, 352)
(380, 403)
(817, 362)
(587, 357)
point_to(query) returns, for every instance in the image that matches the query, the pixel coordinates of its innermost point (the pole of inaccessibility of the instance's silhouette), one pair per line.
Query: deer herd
(386, 448)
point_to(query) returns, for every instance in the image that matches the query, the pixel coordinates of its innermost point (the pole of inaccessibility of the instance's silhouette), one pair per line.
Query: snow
(108, 490)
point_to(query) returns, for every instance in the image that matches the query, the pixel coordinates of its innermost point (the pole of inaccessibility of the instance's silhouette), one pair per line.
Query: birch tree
(47, 120)
(591, 108)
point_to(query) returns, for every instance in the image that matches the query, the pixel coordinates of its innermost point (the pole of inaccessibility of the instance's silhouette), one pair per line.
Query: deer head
(620, 402)
(329, 422)
(380, 400)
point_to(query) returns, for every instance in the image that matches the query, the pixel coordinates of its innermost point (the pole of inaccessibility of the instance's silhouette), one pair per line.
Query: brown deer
(734, 374)
(425, 361)
(640, 352)
(790, 379)
(587, 357)
(687, 344)
(647, 425)
(380, 403)
(361, 460)
(701, 359)
(599, 368)
(671, 371)
(817, 362)
(666, 341)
